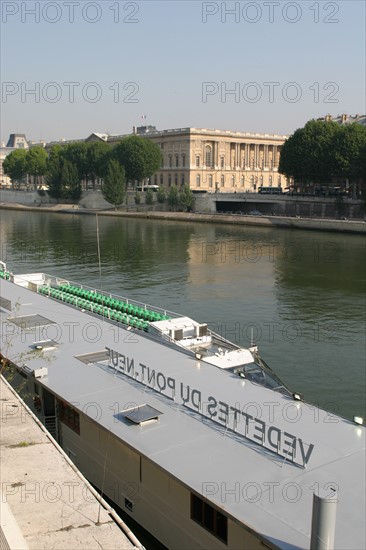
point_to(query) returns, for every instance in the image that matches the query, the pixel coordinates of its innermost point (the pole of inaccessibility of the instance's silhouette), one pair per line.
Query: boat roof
(251, 451)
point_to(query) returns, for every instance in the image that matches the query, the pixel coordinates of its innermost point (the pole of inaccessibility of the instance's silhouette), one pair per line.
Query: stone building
(207, 160)
(212, 160)
(345, 119)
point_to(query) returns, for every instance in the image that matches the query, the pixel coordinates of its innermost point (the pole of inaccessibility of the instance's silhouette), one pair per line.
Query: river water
(300, 294)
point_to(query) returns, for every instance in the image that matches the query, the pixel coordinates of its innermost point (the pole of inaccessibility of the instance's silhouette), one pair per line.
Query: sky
(70, 68)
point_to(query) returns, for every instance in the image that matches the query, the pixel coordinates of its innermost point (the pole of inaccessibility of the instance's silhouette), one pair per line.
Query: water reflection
(299, 294)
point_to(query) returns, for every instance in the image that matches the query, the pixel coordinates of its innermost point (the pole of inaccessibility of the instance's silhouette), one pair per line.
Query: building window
(210, 180)
(198, 180)
(184, 160)
(69, 416)
(208, 517)
(182, 179)
(162, 146)
(222, 162)
(222, 180)
(128, 505)
(261, 181)
(242, 181)
(161, 179)
(156, 179)
(208, 156)
(170, 161)
(232, 181)
(279, 181)
(270, 180)
(176, 179)
(176, 161)
(197, 161)
(169, 180)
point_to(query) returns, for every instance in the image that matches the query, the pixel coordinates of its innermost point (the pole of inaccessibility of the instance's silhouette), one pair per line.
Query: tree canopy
(36, 162)
(62, 177)
(324, 150)
(114, 184)
(15, 165)
(139, 156)
(186, 198)
(173, 197)
(161, 195)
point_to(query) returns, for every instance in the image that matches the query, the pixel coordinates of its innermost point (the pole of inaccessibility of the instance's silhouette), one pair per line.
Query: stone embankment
(318, 224)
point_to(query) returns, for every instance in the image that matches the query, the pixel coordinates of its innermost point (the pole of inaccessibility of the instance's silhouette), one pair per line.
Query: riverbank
(315, 224)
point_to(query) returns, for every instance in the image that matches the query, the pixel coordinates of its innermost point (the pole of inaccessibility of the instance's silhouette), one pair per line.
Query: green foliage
(98, 155)
(53, 174)
(186, 198)
(36, 161)
(139, 156)
(307, 154)
(114, 184)
(77, 154)
(70, 181)
(15, 165)
(149, 197)
(173, 197)
(137, 198)
(324, 150)
(62, 178)
(349, 158)
(161, 195)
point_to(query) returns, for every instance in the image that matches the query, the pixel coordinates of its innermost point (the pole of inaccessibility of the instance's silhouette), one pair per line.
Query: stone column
(246, 155)
(256, 156)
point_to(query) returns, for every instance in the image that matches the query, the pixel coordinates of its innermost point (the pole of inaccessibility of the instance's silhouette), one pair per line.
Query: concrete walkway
(45, 502)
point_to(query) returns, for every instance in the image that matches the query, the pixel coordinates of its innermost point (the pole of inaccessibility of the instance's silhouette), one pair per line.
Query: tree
(62, 178)
(15, 165)
(349, 156)
(114, 184)
(137, 197)
(98, 154)
(77, 154)
(139, 156)
(54, 174)
(186, 198)
(307, 154)
(149, 197)
(161, 195)
(173, 196)
(70, 181)
(36, 162)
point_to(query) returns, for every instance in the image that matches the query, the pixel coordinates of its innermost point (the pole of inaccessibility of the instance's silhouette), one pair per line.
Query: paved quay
(45, 502)
(315, 224)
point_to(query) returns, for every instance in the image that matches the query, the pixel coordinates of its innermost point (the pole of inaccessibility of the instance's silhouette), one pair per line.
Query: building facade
(215, 160)
(210, 160)
(345, 119)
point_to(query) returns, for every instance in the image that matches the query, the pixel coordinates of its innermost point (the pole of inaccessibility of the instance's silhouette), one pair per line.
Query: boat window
(209, 517)
(262, 375)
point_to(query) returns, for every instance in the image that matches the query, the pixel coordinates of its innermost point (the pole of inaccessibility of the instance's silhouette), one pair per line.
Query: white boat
(194, 437)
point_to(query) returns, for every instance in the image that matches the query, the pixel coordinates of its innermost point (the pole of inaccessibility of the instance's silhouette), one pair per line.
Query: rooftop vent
(141, 414)
(31, 321)
(94, 357)
(5, 304)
